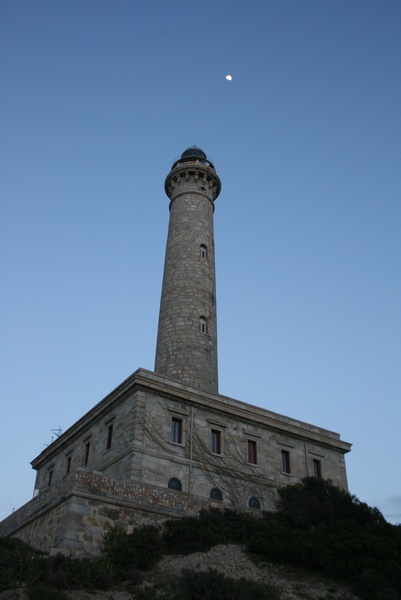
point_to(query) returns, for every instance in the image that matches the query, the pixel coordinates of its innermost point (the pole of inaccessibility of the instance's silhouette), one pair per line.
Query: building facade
(165, 444)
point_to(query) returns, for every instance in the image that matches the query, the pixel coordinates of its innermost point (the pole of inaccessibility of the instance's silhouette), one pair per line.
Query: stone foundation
(72, 516)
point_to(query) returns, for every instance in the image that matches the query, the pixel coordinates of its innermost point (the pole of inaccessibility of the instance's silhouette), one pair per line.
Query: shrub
(319, 502)
(15, 555)
(63, 572)
(211, 585)
(322, 527)
(42, 591)
(211, 527)
(140, 549)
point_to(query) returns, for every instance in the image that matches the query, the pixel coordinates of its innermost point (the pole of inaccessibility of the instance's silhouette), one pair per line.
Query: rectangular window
(50, 478)
(109, 436)
(317, 468)
(176, 430)
(68, 464)
(285, 461)
(86, 453)
(215, 441)
(252, 455)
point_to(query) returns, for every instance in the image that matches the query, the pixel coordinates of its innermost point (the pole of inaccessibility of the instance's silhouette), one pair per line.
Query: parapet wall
(72, 516)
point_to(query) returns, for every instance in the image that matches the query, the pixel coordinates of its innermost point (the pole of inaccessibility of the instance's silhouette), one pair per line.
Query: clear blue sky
(98, 99)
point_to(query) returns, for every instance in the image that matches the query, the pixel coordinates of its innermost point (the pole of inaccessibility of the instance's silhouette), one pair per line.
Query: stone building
(165, 444)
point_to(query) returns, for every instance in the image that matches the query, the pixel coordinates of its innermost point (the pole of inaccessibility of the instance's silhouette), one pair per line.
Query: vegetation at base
(211, 527)
(42, 591)
(212, 584)
(14, 557)
(46, 576)
(140, 549)
(317, 526)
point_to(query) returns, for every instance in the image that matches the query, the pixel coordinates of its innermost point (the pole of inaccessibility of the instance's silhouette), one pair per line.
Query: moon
(229, 77)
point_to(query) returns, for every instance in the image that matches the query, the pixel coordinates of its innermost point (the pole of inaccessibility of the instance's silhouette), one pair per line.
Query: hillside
(320, 544)
(231, 561)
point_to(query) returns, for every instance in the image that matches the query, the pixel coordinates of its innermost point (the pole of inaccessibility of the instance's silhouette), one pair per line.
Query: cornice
(149, 381)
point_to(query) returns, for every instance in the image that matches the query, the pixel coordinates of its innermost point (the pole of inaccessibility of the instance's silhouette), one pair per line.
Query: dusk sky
(98, 100)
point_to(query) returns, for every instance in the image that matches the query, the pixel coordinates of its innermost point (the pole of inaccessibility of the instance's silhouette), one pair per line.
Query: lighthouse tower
(187, 335)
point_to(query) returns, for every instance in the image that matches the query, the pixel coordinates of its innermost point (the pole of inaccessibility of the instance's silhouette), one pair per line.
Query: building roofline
(145, 379)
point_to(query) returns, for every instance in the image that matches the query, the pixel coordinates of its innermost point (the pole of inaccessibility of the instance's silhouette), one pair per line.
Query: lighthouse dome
(194, 152)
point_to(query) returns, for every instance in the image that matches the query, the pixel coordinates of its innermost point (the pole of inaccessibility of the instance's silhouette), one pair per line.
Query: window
(216, 494)
(175, 484)
(215, 441)
(203, 325)
(254, 502)
(68, 464)
(109, 436)
(317, 468)
(203, 251)
(285, 461)
(86, 453)
(176, 430)
(50, 478)
(252, 455)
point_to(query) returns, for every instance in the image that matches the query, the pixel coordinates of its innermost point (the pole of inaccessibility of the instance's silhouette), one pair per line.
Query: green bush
(15, 555)
(64, 572)
(322, 527)
(140, 549)
(316, 526)
(20, 563)
(212, 585)
(319, 502)
(41, 591)
(209, 528)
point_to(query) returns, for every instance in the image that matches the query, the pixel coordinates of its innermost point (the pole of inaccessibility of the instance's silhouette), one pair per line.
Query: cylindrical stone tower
(187, 336)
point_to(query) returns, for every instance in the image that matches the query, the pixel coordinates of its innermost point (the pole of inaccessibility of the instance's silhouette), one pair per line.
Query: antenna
(58, 431)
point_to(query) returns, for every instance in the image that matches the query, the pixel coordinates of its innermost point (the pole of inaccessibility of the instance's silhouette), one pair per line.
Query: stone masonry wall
(185, 352)
(199, 469)
(70, 454)
(73, 520)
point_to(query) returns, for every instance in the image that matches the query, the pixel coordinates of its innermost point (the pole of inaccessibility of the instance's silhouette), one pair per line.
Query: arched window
(216, 494)
(254, 502)
(203, 251)
(175, 484)
(203, 325)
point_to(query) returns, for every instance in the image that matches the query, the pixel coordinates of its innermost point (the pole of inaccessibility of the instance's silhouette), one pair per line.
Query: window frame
(203, 328)
(317, 468)
(216, 494)
(216, 441)
(174, 484)
(176, 430)
(252, 446)
(286, 462)
(87, 446)
(110, 431)
(254, 503)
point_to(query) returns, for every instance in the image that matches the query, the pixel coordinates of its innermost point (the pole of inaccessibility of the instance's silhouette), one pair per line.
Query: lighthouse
(165, 444)
(186, 348)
